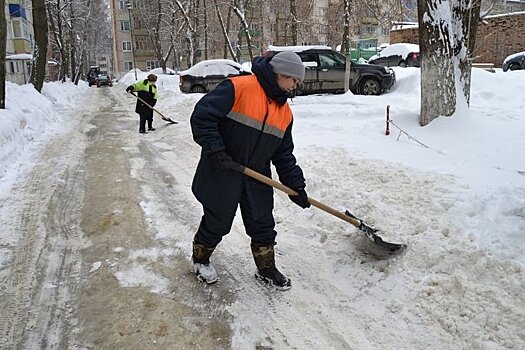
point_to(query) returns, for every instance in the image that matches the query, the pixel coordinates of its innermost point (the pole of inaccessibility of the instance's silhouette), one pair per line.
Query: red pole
(387, 131)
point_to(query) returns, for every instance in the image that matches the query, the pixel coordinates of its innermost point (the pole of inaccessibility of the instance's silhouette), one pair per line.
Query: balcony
(17, 10)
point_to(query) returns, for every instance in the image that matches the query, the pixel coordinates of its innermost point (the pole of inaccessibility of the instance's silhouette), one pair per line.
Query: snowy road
(104, 223)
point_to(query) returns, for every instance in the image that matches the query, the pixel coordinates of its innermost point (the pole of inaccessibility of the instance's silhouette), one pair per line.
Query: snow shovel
(347, 216)
(161, 115)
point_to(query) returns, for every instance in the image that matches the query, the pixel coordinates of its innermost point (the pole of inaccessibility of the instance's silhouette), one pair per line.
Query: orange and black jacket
(248, 117)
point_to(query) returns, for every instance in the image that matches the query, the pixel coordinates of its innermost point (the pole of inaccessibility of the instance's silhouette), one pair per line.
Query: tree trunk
(227, 42)
(72, 43)
(3, 49)
(345, 44)
(240, 10)
(445, 60)
(470, 11)
(293, 14)
(205, 9)
(56, 29)
(38, 72)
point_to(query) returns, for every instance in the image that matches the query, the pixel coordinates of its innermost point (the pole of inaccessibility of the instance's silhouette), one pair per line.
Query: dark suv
(326, 71)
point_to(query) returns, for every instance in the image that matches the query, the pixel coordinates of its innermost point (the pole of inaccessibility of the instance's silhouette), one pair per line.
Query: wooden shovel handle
(148, 105)
(253, 174)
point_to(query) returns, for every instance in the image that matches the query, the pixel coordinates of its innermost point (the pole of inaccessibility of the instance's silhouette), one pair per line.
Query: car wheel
(198, 89)
(402, 64)
(370, 86)
(514, 66)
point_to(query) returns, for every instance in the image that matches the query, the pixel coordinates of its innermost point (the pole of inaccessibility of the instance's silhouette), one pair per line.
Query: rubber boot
(201, 263)
(264, 256)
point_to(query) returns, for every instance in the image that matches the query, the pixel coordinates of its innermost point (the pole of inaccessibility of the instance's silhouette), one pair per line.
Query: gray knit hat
(288, 63)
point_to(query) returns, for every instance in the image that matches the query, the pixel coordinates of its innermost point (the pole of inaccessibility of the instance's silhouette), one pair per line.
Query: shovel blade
(169, 120)
(374, 237)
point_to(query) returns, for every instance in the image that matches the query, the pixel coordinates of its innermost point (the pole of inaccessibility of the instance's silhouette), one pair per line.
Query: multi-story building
(131, 43)
(20, 40)
(270, 22)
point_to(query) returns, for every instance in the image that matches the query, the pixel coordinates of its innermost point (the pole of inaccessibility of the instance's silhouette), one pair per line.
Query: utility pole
(130, 6)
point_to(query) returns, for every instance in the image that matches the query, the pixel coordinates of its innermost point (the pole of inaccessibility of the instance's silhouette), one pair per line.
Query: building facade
(20, 40)
(131, 43)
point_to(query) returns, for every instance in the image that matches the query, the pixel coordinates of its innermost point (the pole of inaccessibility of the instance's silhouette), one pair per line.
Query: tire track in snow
(35, 294)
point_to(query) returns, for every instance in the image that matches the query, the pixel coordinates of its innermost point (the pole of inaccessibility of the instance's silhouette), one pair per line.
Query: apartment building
(20, 40)
(131, 44)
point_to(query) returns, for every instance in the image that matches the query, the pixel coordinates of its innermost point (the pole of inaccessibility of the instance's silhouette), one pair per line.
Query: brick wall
(498, 37)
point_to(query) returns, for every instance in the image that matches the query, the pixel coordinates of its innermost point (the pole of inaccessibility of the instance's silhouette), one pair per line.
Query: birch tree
(191, 30)
(447, 31)
(154, 25)
(239, 8)
(345, 44)
(54, 10)
(224, 28)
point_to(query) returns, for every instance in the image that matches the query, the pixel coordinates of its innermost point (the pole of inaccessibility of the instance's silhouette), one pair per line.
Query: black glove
(222, 160)
(129, 89)
(301, 199)
(153, 103)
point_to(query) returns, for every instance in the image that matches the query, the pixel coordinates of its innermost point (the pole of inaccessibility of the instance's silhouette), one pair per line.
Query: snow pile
(31, 117)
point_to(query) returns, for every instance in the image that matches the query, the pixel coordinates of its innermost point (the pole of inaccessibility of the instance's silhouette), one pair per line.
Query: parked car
(206, 75)
(514, 62)
(401, 54)
(104, 80)
(325, 72)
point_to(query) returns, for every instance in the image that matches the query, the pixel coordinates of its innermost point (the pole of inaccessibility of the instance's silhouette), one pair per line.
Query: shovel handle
(253, 174)
(147, 104)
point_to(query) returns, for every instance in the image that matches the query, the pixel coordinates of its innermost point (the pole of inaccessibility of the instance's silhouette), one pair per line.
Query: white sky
(459, 205)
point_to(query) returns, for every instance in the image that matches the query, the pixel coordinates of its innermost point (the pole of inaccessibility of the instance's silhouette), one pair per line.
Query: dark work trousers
(146, 116)
(215, 224)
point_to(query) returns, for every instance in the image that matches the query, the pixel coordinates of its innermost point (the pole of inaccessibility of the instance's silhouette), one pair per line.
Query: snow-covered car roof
(213, 67)
(159, 71)
(399, 49)
(298, 48)
(518, 54)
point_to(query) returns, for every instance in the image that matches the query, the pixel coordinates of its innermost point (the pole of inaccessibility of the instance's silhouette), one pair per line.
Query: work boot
(201, 263)
(264, 256)
(151, 129)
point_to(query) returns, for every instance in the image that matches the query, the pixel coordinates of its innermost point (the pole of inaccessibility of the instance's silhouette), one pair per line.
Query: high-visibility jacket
(147, 91)
(238, 117)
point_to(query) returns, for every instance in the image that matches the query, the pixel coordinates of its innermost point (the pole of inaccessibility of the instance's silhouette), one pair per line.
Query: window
(331, 60)
(124, 26)
(309, 59)
(9, 32)
(128, 66)
(152, 64)
(126, 46)
(122, 5)
(17, 29)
